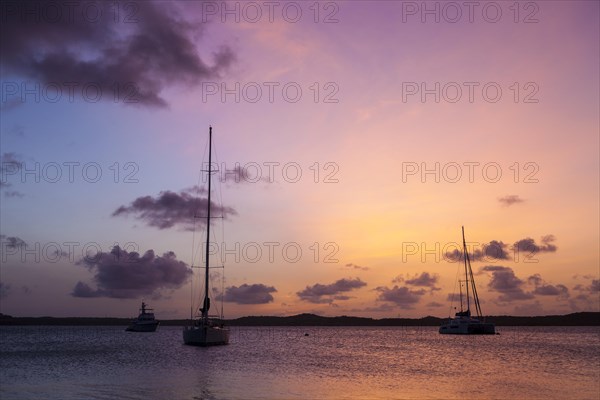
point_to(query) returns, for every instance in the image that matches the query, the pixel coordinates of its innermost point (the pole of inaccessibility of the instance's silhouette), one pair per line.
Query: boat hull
(455, 327)
(205, 336)
(143, 327)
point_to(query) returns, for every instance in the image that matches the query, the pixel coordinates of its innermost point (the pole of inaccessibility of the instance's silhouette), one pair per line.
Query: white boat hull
(205, 336)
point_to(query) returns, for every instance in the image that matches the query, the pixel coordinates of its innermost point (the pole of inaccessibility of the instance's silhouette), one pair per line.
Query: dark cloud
(494, 250)
(509, 200)
(320, 293)
(148, 45)
(11, 242)
(84, 290)
(354, 266)
(249, 294)
(594, 286)
(400, 295)
(434, 304)
(535, 279)
(341, 297)
(587, 298)
(124, 275)
(529, 246)
(169, 209)
(498, 250)
(425, 279)
(552, 290)
(544, 289)
(506, 283)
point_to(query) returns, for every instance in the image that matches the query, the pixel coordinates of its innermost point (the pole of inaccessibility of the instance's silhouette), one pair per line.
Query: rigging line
(192, 280)
(219, 202)
(223, 174)
(219, 258)
(202, 164)
(194, 227)
(198, 265)
(477, 304)
(454, 290)
(467, 261)
(222, 292)
(222, 262)
(216, 157)
(192, 266)
(192, 297)
(214, 237)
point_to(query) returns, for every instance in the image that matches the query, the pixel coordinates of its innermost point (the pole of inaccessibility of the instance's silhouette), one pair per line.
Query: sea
(105, 362)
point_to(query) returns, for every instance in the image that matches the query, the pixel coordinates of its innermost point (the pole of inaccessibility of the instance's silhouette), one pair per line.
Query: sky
(353, 140)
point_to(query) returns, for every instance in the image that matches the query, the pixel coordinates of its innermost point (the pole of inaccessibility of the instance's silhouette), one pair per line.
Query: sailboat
(206, 330)
(145, 322)
(463, 322)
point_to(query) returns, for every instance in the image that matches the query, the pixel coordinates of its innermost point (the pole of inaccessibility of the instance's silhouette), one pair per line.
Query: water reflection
(282, 362)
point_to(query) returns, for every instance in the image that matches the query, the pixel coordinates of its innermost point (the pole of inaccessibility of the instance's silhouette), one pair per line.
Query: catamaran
(463, 323)
(145, 322)
(206, 330)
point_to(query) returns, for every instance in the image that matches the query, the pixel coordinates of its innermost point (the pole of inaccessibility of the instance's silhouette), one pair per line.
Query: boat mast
(206, 304)
(466, 257)
(475, 296)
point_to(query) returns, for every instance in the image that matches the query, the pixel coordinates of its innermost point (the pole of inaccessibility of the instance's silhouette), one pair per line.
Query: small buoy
(306, 334)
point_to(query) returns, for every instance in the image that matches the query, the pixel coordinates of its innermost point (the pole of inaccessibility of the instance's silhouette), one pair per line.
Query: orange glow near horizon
(383, 168)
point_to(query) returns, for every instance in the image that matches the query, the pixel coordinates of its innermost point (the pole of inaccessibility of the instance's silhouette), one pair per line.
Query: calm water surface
(282, 363)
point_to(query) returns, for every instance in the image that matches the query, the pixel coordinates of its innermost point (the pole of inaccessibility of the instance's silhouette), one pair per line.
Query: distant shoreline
(574, 319)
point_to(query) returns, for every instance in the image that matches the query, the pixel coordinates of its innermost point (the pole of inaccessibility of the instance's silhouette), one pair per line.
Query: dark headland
(574, 319)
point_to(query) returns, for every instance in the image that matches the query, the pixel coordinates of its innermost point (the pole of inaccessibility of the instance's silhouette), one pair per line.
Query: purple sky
(353, 139)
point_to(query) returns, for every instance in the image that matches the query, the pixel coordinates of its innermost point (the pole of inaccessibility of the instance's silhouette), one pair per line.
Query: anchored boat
(463, 322)
(206, 330)
(145, 322)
